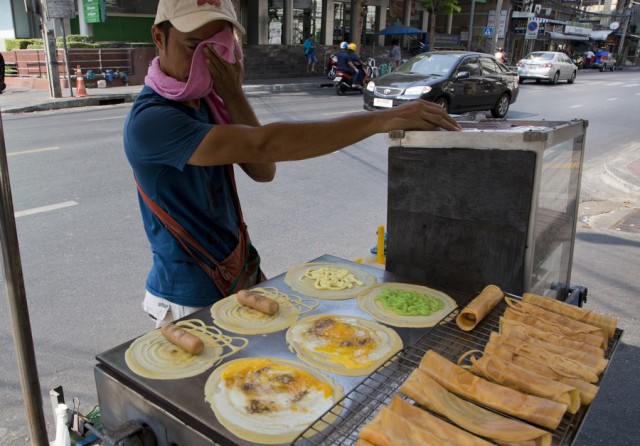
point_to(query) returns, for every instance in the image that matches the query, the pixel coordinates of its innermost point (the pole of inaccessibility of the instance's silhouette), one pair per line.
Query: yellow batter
(326, 280)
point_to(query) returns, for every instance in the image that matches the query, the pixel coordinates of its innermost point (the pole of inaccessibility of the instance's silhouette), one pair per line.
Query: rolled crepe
(567, 332)
(455, 379)
(434, 425)
(587, 390)
(562, 364)
(597, 363)
(389, 429)
(478, 420)
(607, 323)
(550, 337)
(479, 307)
(495, 369)
(562, 321)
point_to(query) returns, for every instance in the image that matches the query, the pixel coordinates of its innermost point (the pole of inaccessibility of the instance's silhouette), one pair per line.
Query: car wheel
(538, 81)
(556, 76)
(502, 107)
(443, 102)
(602, 68)
(572, 79)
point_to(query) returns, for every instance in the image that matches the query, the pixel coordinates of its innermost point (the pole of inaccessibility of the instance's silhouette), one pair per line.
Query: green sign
(94, 11)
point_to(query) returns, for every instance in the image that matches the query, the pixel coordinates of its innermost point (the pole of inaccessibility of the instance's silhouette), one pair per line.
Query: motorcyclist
(348, 62)
(501, 55)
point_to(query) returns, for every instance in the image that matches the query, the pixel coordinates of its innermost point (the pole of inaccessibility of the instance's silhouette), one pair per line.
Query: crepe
(560, 363)
(153, 356)
(371, 302)
(561, 321)
(269, 400)
(455, 379)
(479, 307)
(345, 345)
(326, 280)
(501, 372)
(607, 323)
(551, 337)
(595, 340)
(587, 390)
(231, 315)
(597, 363)
(478, 420)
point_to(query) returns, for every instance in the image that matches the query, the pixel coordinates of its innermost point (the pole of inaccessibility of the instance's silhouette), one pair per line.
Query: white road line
(611, 84)
(612, 99)
(630, 85)
(51, 207)
(341, 112)
(576, 106)
(105, 119)
(25, 152)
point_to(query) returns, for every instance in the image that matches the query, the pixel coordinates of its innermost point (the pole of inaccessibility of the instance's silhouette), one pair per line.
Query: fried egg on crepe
(153, 356)
(231, 315)
(326, 280)
(346, 345)
(269, 400)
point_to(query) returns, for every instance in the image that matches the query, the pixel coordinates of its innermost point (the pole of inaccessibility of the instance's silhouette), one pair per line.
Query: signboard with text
(491, 21)
(94, 11)
(60, 9)
(532, 29)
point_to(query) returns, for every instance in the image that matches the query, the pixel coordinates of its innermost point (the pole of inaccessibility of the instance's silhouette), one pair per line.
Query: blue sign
(488, 31)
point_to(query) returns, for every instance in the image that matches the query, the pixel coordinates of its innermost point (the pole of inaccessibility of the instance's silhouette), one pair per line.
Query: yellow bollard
(380, 253)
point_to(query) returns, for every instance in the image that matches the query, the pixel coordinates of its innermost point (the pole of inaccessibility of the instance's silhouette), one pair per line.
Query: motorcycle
(344, 82)
(331, 67)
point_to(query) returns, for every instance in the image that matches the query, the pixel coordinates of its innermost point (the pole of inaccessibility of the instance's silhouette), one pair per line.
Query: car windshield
(429, 64)
(539, 56)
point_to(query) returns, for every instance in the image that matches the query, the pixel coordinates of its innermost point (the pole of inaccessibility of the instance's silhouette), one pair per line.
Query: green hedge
(73, 41)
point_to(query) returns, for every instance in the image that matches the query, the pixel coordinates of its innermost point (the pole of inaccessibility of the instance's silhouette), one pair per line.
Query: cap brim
(190, 22)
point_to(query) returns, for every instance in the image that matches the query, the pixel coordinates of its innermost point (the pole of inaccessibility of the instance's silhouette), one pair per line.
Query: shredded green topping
(409, 303)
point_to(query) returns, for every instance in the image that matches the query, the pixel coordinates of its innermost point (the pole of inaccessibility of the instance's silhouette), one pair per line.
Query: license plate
(378, 102)
(337, 79)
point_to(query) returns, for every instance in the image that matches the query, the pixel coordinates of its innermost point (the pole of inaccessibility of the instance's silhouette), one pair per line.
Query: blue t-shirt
(160, 136)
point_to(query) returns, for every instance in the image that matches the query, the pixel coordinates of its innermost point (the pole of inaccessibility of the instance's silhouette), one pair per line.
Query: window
(489, 67)
(470, 65)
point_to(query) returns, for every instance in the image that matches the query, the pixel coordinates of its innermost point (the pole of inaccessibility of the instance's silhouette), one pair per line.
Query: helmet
(344, 45)
(352, 46)
(500, 49)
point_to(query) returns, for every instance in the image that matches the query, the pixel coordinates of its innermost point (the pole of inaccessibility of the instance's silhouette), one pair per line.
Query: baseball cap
(188, 15)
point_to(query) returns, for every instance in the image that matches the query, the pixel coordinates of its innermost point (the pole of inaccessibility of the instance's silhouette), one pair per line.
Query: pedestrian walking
(396, 54)
(188, 126)
(310, 53)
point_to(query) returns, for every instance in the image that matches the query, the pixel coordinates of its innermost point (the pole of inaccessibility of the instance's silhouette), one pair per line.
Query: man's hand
(227, 77)
(419, 115)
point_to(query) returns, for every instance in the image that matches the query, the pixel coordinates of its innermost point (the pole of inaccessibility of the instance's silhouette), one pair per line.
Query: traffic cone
(81, 90)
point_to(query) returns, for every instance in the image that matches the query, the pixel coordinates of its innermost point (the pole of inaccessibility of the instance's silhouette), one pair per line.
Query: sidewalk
(23, 100)
(622, 172)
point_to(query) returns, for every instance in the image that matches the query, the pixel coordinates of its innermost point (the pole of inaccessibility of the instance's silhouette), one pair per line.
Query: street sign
(94, 11)
(532, 29)
(60, 9)
(488, 31)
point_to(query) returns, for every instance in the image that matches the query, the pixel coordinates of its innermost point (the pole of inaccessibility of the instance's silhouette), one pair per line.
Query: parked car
(459, 81)
(549, 66)
(604, 61)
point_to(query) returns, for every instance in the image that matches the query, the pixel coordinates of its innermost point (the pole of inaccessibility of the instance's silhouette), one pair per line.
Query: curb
(623, 172)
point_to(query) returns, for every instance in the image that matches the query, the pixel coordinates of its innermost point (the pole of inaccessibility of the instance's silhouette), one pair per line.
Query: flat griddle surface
(184, 398)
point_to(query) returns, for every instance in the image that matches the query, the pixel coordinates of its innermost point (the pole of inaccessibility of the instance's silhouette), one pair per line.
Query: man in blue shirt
(310, 53)
(349, 62)
(182, 137)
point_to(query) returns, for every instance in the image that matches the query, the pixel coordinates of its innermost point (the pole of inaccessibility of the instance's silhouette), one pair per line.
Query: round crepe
(231, 315)
(367, 302)
(153, 356)
(269, 400)
(357, 281)
(346, 345)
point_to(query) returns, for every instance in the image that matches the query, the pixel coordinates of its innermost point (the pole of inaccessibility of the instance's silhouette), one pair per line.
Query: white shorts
(164, 311)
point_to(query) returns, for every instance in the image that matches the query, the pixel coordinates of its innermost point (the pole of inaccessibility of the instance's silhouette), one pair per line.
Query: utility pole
(496, 27)
(625, 25)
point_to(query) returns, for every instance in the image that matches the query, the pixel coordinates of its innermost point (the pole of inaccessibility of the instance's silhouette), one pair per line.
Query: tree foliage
(435, 7)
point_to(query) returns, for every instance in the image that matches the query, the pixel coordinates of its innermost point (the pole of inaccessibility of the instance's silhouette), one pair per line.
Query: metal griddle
(180, 404)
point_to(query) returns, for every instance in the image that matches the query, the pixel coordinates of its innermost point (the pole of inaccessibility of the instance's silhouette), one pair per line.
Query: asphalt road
(85, 256)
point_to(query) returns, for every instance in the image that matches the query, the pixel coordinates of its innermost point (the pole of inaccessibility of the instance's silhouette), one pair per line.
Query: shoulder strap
(186, 240)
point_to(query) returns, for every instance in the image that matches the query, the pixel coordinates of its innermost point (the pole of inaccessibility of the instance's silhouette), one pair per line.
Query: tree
(436, 7)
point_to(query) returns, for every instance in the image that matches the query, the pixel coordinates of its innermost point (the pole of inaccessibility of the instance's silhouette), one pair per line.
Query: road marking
(26, 152)
(106, 119)
(341, 113)
(611, 84)
(51, 207)
(630, 85)
(612, 99)
(576, 106)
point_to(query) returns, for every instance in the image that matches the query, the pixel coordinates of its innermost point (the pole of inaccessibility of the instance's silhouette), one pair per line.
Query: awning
(600, 34)
(561, 36)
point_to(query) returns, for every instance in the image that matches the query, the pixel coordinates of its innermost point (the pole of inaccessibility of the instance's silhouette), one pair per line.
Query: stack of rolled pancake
(544, 362)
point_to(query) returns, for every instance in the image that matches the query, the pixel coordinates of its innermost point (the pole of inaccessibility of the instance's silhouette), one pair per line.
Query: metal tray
(359, 406)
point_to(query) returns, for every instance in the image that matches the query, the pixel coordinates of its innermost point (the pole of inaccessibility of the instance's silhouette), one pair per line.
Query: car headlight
(371, 86)
(416, 91)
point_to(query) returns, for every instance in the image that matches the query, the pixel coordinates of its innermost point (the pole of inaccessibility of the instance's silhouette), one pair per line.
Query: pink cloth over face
(200, 83)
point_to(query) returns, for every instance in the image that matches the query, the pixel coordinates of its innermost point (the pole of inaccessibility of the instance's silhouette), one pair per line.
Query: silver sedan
(549, 66)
